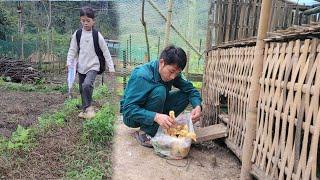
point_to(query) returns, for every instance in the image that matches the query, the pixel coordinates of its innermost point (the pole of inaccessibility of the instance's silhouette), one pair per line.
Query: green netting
(14, 49)
(189, 18)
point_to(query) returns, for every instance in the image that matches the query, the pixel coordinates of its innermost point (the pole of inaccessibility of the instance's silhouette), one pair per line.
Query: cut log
(211, 132)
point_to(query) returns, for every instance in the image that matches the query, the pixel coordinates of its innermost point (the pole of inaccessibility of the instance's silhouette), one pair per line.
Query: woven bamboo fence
(288, 121)
(229, 71)
(288, 116)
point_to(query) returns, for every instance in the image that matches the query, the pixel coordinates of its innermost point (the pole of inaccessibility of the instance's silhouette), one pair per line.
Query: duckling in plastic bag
(175, 142)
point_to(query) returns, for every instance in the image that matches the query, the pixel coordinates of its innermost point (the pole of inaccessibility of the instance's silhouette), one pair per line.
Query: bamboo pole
(219, 22)
(242, 9)
(252, 17)
(254, 91)
(209, 28)
(228, 23)
(145, 30)
(168, 23)
(174, 29)
(208, 46)
(216, 23)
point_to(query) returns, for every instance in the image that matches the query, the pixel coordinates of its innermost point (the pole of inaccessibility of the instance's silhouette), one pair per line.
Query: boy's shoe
(82, 114)
(89, 114)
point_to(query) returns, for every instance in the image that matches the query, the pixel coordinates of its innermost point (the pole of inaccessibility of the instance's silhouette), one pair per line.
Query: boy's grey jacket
(88, 59)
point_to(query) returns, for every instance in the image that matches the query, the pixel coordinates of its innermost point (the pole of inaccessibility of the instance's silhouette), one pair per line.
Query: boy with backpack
(89, 47)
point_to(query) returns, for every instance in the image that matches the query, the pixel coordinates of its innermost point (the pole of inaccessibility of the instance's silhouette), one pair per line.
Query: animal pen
(265, 89)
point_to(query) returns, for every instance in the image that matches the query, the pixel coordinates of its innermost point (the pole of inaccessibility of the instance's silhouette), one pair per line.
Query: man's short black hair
(87, 11)
(174, 55)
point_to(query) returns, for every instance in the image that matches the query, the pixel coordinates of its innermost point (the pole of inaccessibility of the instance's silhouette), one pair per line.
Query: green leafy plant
(58, 118)
(100, 92)
(20, 139)
(61, 88)
(88, 173)
(101, 127)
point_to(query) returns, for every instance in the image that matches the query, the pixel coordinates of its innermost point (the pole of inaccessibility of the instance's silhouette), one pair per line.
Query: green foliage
(62, 88)
(101, 127)
(21, 139)
(18, 86)
(58, 118)
(88, 173)
(100, 92)
(64, 21)
(89, 161)
(7, 22)
(38, 87)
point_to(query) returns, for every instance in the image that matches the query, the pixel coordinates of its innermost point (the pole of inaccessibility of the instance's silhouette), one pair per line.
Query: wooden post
(124, 69)
(216, 24)
(254, 91)
(127, 50)
(209, 28)
(130, 52)
(158, 48)
(252, 17)
(241, 19)
(145, 31)
(168, 24)
(21, 29)
(186, 69)
(296, 16)
(228, 23)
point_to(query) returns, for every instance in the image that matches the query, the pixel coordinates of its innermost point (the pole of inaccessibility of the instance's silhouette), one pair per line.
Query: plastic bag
(173, 147)
(72, 71)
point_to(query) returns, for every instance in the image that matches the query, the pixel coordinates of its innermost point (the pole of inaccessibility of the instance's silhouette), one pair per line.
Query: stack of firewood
(18, 71)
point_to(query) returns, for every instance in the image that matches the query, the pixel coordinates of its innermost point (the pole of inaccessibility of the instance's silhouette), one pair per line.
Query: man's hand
(196, 114)
(164, 120)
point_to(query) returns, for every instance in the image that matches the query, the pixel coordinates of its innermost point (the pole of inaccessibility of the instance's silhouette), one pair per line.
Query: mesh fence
(188, 17)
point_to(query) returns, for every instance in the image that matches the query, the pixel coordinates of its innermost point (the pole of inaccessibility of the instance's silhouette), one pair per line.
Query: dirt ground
(46, 160)
(209, 160)
(205, 161)
(17, 107)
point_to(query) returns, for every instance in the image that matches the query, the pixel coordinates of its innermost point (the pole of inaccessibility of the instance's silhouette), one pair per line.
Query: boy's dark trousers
(159, 101)
(86, 82)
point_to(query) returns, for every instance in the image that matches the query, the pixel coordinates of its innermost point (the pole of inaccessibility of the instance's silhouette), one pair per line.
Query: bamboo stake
(205, 88)
(219, 22)
(216, 23)
(228, 28)
(254, 91)
(168, 23)
(174, 29)
(145, 29)
(252, 17)
(242, 9)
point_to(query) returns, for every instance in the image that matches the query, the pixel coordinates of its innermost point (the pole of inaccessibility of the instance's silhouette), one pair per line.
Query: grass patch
(90, 155)
(40, 87)
(101, 128)
(21, 139)
(89, 161)
(100, 92)
(60, 117)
